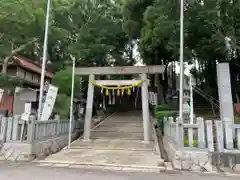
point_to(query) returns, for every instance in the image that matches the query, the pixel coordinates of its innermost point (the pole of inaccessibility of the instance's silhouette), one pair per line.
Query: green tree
(17, 20)
(98, 38)
(207, 25)
(63, 80)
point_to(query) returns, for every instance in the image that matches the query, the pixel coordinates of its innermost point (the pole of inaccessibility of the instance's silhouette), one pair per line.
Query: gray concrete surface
(21, 171)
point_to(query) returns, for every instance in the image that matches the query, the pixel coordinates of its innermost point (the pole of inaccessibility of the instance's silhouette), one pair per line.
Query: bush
(162, 111)
(163, 107)
(195, 143)
(161, 114)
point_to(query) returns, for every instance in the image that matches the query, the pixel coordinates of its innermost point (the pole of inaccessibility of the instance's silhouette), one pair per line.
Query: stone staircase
(127, 126)
(116, 142)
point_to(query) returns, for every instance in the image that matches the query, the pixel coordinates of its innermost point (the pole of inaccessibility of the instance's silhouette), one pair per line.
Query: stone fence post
(31, 129)
(57, 117)
(3, 129)
(15, 126)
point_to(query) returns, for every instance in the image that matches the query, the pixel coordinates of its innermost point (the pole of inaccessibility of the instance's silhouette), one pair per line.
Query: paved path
(116, 142)
(32, 172)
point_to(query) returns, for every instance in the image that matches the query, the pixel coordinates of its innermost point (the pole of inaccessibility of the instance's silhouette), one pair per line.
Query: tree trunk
(14, 52)
(160, 96)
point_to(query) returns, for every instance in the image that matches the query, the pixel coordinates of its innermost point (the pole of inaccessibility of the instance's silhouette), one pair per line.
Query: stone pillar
(145, 109)
(225, 102)
(88, 115)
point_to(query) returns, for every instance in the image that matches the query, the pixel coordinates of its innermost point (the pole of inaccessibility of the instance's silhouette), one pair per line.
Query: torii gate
(120, 70)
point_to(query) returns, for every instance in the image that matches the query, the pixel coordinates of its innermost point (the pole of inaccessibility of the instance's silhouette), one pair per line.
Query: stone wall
(41, 149)
(21, 151)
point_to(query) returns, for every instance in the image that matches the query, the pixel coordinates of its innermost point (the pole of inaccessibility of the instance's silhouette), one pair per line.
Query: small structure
(13, 100)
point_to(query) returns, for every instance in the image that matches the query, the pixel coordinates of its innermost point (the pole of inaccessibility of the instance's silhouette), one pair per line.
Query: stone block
(16, 151)
(191, 160)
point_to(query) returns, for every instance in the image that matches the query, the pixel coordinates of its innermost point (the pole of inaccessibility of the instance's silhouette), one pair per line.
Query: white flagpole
(181, 61)
(71, 106)
(45, 44)
(191, 100)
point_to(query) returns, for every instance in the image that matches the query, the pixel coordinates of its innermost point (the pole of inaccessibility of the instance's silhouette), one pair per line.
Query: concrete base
(191, 159)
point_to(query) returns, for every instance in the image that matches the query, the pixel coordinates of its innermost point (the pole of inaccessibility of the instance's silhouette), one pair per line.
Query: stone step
(124, 120)
(115, 135)
(121, 125)
(120, 128)
(130, 145)
(128, 128)
(114, 129)
(113, 157)
(100, 166)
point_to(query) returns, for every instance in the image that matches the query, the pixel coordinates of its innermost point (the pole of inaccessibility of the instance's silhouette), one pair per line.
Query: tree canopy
(211, 33)
(105, 32)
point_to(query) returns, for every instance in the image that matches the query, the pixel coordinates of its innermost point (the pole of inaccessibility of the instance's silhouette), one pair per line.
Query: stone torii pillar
(145, 109)
(88, 115)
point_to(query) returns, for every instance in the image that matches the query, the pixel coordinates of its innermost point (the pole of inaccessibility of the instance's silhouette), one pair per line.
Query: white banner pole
(71, 106)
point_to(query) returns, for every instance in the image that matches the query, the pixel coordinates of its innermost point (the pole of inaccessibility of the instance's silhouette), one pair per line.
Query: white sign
(28, 107)
(25, 116)
(27, 111)
(49, 103)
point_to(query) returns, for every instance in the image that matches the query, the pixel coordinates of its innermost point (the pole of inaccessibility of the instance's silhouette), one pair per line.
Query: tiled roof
(27, 64)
